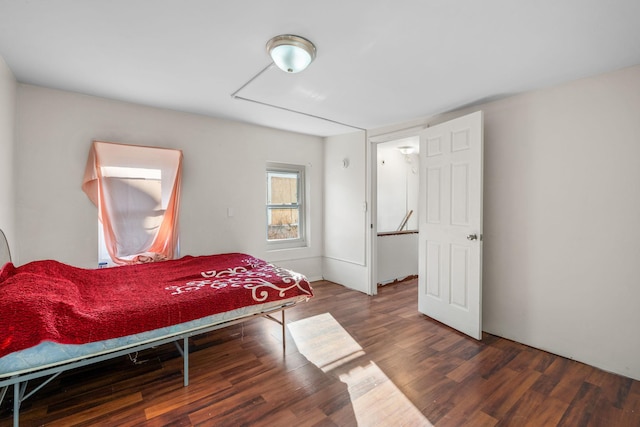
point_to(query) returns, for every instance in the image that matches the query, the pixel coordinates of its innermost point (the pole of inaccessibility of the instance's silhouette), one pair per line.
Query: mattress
(49, 354)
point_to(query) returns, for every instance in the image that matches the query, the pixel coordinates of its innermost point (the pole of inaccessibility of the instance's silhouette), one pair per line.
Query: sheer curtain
(137, 192)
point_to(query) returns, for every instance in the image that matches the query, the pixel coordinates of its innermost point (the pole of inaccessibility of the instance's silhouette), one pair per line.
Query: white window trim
(302, 209)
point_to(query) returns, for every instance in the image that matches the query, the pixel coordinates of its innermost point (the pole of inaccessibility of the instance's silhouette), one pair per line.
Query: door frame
(372, 196)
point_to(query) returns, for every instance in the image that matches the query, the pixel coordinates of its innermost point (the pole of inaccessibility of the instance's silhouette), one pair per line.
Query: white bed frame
(20, 379)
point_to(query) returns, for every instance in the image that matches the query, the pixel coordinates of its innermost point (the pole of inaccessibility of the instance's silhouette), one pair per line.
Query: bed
(56, 317)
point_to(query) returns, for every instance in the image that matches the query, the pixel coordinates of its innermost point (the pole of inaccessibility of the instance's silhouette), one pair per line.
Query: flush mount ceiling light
(407, 149)
(290, 53)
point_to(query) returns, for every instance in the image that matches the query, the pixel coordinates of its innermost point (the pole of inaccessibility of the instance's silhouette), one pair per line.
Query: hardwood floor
(350, 360)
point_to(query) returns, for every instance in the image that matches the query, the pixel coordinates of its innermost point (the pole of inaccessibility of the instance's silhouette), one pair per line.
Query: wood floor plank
(631, 410)
(582, 406)
(569, 382)
(615, 388)
(95, 413)
(476, 365)
(524, 409)
(548, 413)
(506, 395)
(477, 419)
(375, 361)
(317, 402)
(174, 399)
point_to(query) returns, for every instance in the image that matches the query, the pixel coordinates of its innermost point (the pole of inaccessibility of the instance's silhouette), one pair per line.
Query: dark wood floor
(350, 360)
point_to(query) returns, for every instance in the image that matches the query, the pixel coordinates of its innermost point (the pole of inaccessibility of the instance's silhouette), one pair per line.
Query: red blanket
(48, 300)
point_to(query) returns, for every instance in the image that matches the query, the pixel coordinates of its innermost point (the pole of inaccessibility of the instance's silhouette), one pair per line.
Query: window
(137, 192)
(285, 206)
(138, 210)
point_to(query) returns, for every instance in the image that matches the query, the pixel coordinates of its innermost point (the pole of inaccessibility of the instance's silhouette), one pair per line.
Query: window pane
(283, 224)
(135, 195)
(283, 188)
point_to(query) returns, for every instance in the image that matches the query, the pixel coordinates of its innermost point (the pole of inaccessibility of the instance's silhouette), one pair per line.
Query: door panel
(433, 262)
(460, 194)
(433, 209)
(450, 273)
(459, 279)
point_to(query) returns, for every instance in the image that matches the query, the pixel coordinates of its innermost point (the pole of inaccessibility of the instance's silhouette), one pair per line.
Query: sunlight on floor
(374, 397)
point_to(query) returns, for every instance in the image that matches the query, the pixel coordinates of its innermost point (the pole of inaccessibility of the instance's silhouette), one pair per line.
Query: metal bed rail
(20, 381)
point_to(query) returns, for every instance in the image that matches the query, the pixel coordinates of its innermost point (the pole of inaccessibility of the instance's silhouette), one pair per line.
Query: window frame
(301, 240)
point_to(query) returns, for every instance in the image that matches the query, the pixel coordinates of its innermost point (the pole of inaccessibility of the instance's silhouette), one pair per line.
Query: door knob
(472, 237)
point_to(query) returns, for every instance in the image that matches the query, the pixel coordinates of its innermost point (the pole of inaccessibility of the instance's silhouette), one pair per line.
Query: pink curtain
(137, 228)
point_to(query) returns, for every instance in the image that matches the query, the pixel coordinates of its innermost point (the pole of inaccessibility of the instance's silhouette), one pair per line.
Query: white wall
(224, 167)
(562, 219)
(398, 181)
(397, 257)
(7, 143)
(345, 215)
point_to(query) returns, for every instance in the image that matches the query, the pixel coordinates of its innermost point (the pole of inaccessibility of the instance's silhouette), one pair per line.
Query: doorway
(394, 170)
(397, 168)
(450, 225)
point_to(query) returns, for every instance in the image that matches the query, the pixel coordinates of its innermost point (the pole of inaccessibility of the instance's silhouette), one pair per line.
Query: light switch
(230, 212)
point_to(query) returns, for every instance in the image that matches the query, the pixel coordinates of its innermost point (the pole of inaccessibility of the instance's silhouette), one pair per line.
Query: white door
(450, 239)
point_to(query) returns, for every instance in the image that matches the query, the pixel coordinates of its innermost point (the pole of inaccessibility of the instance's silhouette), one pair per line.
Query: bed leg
(185, 359)
(16, 404)
(284, 335)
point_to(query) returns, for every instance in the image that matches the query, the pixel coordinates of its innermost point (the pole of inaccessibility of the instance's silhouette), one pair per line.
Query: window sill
(280, 246)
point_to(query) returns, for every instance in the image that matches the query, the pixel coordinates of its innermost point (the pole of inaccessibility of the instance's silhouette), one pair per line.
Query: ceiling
(379, 62)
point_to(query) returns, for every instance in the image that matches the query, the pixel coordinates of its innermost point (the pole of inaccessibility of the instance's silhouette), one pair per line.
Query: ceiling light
(291, 53)
(406, 149)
